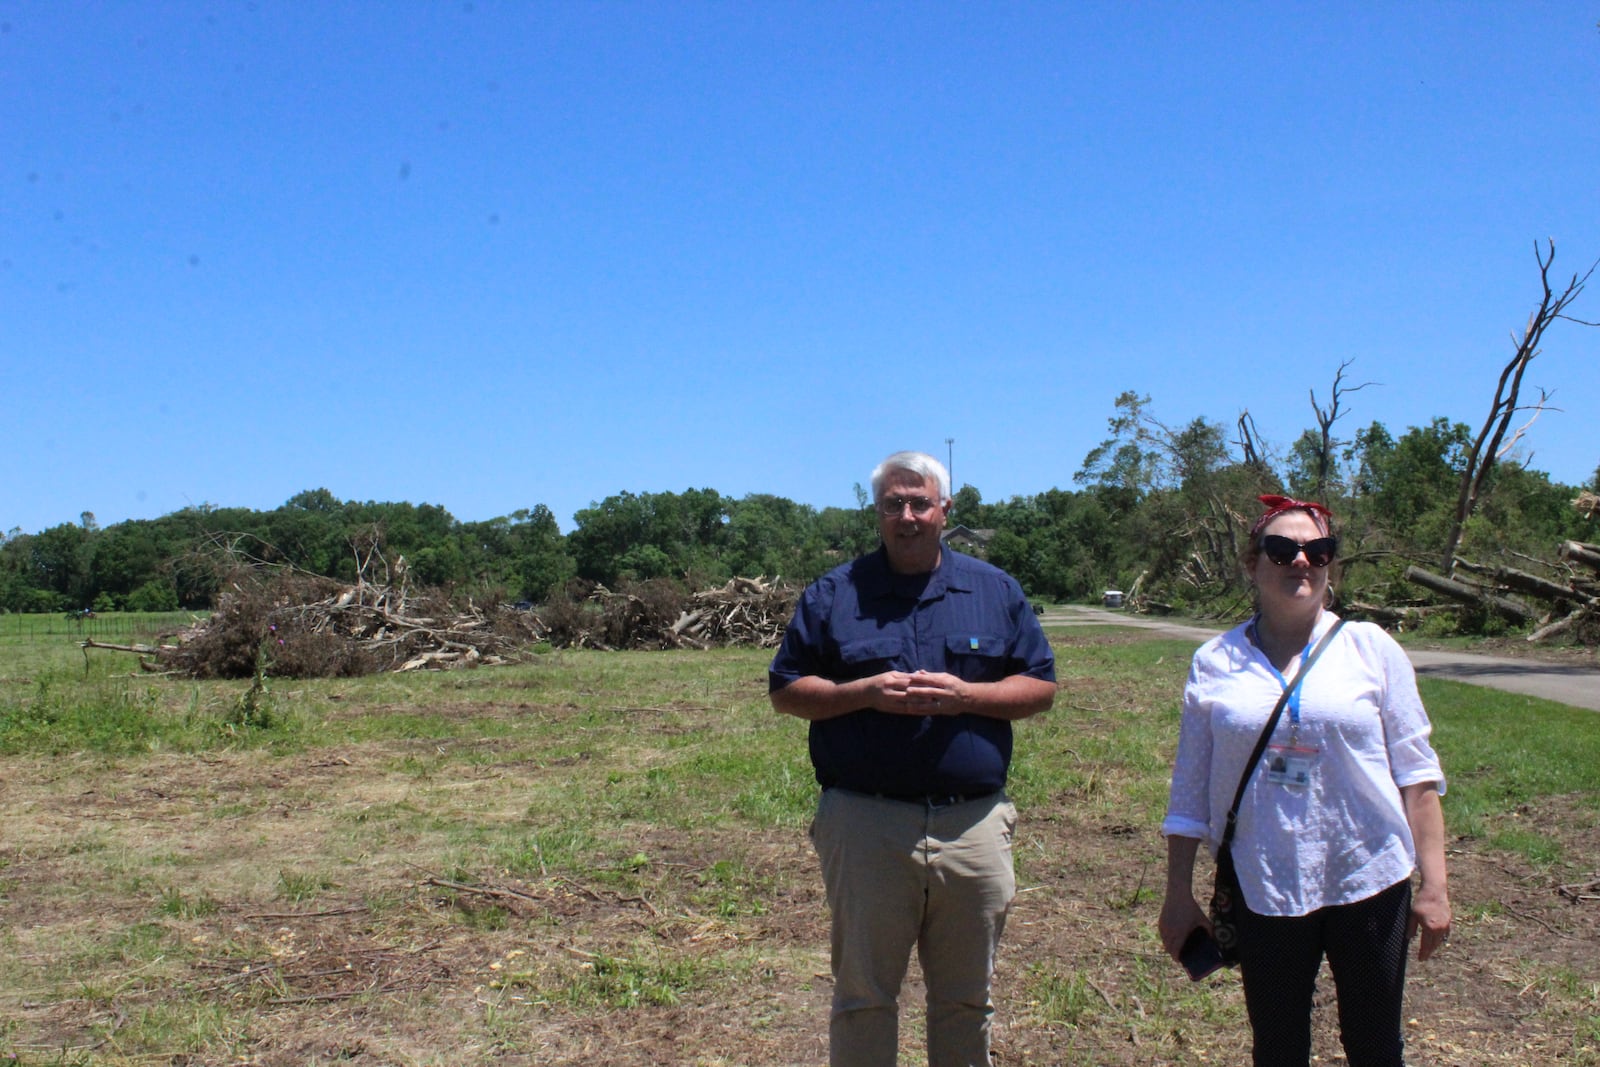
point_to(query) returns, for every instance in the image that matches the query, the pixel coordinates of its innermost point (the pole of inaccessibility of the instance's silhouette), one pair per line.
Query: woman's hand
(1180, 914)
(1430, 915)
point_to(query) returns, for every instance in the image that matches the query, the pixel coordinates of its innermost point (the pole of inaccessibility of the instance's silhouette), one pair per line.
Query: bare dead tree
(1326, 417)
(1250, 453)
(1491, 443)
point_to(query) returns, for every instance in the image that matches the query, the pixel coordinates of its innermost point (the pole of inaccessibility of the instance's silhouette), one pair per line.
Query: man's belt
(929, 800)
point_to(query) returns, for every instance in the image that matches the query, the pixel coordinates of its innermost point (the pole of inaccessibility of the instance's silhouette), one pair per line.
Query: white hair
(919, 463)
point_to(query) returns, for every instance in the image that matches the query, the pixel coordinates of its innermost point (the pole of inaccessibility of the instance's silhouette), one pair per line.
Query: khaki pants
(900, 875)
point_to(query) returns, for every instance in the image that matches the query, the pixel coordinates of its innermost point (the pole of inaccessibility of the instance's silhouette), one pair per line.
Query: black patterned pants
(1365, 943)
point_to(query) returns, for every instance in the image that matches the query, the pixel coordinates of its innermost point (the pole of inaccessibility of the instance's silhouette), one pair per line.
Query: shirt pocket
(869, 656)
(975, 657)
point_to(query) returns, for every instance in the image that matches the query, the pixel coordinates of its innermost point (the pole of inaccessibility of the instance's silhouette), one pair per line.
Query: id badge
(1290, 764)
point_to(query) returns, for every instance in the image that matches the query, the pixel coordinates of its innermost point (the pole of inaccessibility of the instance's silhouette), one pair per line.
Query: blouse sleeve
(1188, 800)
(1405, 722)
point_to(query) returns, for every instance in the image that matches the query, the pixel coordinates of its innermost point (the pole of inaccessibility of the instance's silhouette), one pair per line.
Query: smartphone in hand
(1200, 954)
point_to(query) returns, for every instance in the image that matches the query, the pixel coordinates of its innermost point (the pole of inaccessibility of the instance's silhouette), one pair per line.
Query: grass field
(601, 858)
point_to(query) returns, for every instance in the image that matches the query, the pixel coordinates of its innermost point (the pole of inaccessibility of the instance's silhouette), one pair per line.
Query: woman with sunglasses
(1340, 812)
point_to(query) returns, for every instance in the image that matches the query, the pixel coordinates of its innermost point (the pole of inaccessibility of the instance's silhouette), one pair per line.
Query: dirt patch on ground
(201, 888)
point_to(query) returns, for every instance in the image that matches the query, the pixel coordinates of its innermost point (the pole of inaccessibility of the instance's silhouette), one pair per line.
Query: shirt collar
(877, 580)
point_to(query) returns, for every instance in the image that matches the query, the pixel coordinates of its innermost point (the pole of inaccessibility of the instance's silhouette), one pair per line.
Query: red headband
(1277, 505)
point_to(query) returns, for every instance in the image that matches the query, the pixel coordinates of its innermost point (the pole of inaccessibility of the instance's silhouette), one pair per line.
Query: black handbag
(1226, 903)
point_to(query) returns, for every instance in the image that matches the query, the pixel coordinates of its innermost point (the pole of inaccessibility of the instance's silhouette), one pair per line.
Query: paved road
(1566, 683)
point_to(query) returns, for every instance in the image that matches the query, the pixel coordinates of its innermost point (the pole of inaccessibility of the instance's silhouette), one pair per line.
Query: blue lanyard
(1293, 706)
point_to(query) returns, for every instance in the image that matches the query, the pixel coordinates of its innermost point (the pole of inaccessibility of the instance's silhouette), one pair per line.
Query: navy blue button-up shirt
(967, 618)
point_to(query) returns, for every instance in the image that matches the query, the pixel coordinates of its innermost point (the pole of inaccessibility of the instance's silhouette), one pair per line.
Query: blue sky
(490, 255)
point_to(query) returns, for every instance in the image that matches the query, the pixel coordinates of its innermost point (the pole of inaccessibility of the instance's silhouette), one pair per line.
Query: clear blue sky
(488, 255)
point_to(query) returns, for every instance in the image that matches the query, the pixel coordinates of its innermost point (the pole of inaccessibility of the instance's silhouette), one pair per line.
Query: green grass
(621, 982)
(1502, 751)
(177, 904)
(653, 808)
(297, 887)
(729, 888)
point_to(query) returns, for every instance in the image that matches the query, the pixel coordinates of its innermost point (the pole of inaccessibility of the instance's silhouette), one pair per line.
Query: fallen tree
(1566, 602)
(1469, 593)
(1580, 553)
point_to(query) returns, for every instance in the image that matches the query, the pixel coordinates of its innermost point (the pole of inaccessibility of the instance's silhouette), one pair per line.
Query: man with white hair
(910, 664)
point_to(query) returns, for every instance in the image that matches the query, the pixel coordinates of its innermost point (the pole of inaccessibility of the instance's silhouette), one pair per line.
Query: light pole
(950, 462)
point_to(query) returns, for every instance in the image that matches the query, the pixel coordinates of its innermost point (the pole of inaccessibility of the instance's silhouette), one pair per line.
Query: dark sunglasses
(1282, 551)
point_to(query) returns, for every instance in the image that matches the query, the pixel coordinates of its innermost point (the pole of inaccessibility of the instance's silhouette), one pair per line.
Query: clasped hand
(919, 693)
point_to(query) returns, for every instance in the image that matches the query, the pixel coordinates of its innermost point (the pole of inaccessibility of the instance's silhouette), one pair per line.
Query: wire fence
(100, 626)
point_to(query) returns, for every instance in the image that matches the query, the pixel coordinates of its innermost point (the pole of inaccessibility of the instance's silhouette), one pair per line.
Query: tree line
(179, 561)
(1155, 507)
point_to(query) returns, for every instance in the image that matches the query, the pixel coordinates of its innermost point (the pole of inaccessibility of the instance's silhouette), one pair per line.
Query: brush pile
(292, 625)
(657, 614)
(288, 624)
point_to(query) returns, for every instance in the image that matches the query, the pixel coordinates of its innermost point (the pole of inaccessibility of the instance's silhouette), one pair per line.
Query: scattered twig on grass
(582, 890)
(651, 908)
(356, 909)
(1520, 876)
(598, 899)
(342, 994)
(483, 890)
(1090, 982)
(1581, 891)
(1541, 922)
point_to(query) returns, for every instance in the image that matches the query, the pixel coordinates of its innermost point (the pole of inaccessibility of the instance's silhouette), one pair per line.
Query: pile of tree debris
(1565, 602)
(746, 611)
(287, 624)
(292, 625)
(657, 614)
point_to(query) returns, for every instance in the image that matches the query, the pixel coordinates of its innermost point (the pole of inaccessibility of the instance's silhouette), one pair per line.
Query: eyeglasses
(1282, 551)
(892, 506)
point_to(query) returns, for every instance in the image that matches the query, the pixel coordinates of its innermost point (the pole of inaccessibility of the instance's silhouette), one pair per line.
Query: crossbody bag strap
(1266, 734)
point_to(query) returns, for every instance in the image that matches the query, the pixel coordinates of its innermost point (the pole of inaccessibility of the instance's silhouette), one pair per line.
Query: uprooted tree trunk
(1528, 584)
(1491, 443)
(1578, 552)
(1567, 603)
(1472, 595)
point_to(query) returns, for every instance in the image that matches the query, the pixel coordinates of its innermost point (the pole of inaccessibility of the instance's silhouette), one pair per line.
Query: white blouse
(1332, 828)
